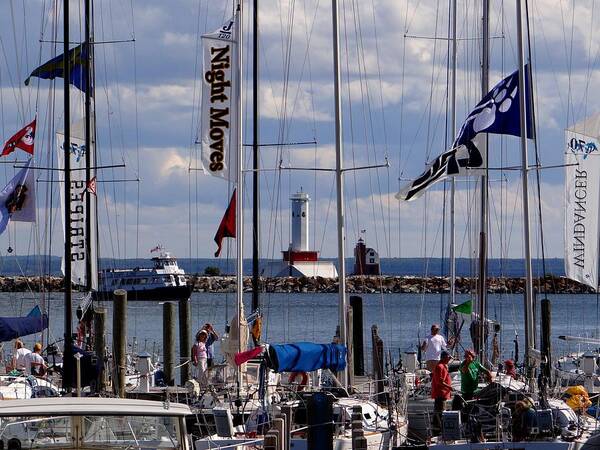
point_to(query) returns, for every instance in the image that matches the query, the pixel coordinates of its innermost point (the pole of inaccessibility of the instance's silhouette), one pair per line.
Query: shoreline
(355, 285)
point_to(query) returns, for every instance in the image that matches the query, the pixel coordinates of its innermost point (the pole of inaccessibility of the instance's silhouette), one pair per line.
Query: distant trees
(212, 271)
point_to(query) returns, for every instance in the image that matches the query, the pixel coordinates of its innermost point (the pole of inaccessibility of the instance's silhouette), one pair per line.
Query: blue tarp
(14, 327)
(307, 356)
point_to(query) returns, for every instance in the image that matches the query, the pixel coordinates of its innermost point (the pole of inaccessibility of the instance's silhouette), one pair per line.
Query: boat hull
(154, 294)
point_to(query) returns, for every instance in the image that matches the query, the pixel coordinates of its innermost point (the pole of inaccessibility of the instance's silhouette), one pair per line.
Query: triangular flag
(23, 139)
(227, 226)
(464, 308)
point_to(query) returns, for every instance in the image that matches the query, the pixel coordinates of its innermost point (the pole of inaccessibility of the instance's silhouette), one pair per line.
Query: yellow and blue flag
(55, 68)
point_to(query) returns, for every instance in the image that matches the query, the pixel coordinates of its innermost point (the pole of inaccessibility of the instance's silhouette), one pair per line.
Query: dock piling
(100, 346)
(356, 303)
(185, 330)
(169, 343)
(119, 341)
(378, 363)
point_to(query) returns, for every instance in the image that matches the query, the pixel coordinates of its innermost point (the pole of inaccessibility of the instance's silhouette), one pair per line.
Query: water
(313, 317)
(34, 265)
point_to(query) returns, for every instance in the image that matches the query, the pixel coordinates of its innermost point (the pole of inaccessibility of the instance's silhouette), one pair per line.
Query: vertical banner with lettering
(582, 192)
(78, 206)
(218, 115)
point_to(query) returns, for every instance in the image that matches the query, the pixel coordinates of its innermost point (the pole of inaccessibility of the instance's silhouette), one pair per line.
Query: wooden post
(358, 354)
(378, 363)
(546, 341)
(119, 341)
(169, 343)
(360, 443)
(270, 442)
(279, 426)
(100, 345)
(185, 330)
(288, 412)
(350, 353)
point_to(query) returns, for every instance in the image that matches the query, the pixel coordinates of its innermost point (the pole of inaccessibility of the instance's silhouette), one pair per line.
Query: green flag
(464, 308)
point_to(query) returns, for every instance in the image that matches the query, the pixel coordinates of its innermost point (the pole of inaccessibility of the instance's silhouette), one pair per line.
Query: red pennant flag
(23, 139)
(90, 187)
(227, 226)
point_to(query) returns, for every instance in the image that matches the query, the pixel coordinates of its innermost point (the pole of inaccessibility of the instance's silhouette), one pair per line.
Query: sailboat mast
(482, 294)
(239, 219)
(452, 298)
(339, 178)
(88, 147)
(529, 323)
(255, 165)
(68, 343)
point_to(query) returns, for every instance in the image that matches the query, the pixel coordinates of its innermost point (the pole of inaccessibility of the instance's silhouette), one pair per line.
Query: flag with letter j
(497, 113)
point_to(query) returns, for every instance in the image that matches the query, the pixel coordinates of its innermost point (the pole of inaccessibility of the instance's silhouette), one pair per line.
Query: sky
(394, 103)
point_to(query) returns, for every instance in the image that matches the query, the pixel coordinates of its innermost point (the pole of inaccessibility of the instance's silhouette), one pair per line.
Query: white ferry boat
(164, 281)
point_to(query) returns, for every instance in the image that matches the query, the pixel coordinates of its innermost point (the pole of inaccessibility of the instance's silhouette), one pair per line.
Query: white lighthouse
(299, 222)
(299, 260)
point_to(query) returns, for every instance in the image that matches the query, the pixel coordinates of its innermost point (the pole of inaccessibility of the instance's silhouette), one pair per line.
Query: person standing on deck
(469, 375)
(34, 361)
(199, 359)
(19, 361)
(212, 337)
(441, 388)
(433, 346)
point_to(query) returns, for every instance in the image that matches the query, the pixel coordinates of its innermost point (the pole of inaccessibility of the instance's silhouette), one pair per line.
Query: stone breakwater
(389, 284)
(358, 285)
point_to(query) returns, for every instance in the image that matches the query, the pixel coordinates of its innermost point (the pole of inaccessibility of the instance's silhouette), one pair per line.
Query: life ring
(303, 381)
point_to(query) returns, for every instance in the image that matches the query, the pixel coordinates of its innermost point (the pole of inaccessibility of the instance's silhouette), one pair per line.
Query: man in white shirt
(20, 356)
(36, 365)
(433, 346)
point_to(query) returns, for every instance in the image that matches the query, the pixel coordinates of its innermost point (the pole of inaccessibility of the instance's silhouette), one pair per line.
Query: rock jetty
(358, 285)
(388, 285)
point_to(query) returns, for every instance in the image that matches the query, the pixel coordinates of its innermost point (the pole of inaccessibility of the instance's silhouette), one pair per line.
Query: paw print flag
(17, 199)
(497, 113)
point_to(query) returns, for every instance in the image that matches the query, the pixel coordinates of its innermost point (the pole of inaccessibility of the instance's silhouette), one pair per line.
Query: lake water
(313, 317)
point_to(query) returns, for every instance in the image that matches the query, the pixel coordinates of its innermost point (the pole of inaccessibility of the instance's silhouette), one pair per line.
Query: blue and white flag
(497, 113)
(17, 199)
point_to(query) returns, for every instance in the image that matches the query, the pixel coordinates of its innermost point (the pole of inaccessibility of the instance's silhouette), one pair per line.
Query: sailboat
(509, 413)
(239, 417)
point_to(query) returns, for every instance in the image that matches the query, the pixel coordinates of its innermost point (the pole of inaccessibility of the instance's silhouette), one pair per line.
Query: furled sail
(307, 356)
(582, 196)
(14, 327)
(79, 185)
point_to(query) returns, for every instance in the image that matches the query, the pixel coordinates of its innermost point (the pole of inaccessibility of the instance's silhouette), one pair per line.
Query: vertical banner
(218, 115)
(582, 192)
(78, 206)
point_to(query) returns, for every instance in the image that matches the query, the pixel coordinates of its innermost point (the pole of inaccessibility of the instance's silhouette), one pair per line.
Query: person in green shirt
(469, 375)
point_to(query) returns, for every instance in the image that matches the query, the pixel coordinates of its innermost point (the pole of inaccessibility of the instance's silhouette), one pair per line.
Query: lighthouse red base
(292, 256)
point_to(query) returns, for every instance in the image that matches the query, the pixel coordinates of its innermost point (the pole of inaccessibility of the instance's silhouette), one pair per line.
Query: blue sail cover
(307, 356)
(14, 327)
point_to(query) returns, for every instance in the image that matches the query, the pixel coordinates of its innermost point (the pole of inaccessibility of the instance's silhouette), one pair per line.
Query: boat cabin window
(99, 432)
